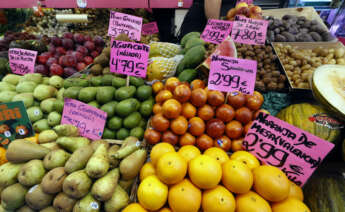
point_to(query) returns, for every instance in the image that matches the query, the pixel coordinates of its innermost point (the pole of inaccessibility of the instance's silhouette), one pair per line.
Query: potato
(339, 52)
(341, 61)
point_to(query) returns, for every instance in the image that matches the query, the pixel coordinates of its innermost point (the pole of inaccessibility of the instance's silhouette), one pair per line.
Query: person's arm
(212, 9)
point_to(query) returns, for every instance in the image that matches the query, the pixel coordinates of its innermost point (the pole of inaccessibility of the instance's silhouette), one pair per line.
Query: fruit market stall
(247, 115)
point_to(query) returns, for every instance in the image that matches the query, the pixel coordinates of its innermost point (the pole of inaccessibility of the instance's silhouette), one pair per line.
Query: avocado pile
(127, 107)
(66, 172)
(194, 54)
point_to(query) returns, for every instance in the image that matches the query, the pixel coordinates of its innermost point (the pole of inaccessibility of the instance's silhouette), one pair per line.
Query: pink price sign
(150, 28)
(22, 61)
(230, 74)
(129, 58)
(88, 119)
(120, 23)
(296, 152)
(249, 31)
(216, 31)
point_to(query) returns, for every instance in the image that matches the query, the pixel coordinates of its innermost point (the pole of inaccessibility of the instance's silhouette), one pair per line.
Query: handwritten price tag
(22, 61)
(231, 74)
(88, 119)
(277, 143)
(129, 58)
(249, 31)
(120, 23)
(216, 31)
(150, 28)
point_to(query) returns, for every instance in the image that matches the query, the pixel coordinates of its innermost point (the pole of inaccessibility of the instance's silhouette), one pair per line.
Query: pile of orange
(213, 182)
(190, 114)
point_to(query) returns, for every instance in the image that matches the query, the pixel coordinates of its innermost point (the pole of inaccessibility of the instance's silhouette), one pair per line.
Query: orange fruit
(237, 177)
(170, 137)
(205, 172)
(179, 125)
(218, 154)
(254, 101)
(290, 205)
(225, 113)
(152, 193)
(158, 150)
(172, 83)
(247, 158)
(171, 108)
(215, 98)
(184, 196)
(296, 192)
(223, 142)
(157, 86)
(182, 93)
(218, 199)
(3, 158)
(152, 136)
(196, 126)
(197, 84)
(163, 95)
(165, 210)
(204, 142)
(206, 112)
(134, 207)
(171, 168)
(237, 99)
(160, 123)
(236, 145)
(157, 108)
(198, 97)
(234, 129)
(251, 202)
(271, 183)
(189, 152)
(147, 170)
(187, 139)
(188, 110)
(247, 127)
(243, 115)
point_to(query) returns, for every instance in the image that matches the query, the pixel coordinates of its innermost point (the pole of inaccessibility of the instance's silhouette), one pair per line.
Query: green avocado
(114, 123)
(136, 81)
(87, 94)
(125, 93)
(94, 104)
(109, 108)
(105, 94)
(144, 92)
(126, 107)
(133, 120)
(122, 134)
(96, 81)
(188, 75)
(72, 92)
(107, 79)
(137, 132)
(146, 108)
(108, 134)
(118, 82)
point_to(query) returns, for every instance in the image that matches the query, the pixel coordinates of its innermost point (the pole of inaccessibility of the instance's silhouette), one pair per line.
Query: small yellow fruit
(171, 168)
(251, 202)
(247, 158)
(237, 177)
(147, 170)
(160, 149)
(218, 199)
(134, 207)
(290, 205)
(218, 154)
(189, 152)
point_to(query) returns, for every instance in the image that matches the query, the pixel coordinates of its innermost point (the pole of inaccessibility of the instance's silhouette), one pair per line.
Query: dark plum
(69, 61)
(79, 56)
(68, 43)
(98, 40)
(94, 54)
(68, 35)
(56, 69)
(82, 50)
(79, 38)
(88, 60)
(69, 52)
(61, 50)
(42, 69)
(88, 38)
(51, 48)
(42, 59)
(81, 66)
(61, 58)
(51, 61)
(56, 41)
(90, 45)
(48, 54)
(69, 71)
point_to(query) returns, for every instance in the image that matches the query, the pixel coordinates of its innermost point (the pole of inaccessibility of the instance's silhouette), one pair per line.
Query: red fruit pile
(69, 54)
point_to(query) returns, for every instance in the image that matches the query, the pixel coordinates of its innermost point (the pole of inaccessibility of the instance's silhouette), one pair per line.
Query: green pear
(112, 160)
(22, 151)
(131, 165)
(95, 144)
(7, 96)
(25, 208)
(51, 146)
(104, 187)
(52, 181)
(47, 105)
(12, 79)
(35, 113)
(45, 81)
(71, 144)
(126, 184)
(63, 202)
(56, 81)
(54, 118)
(79, 159)
(4, 86)
(37, 199)
(118, 200)
(42, 92)
(58, 106)
(55, 158)
(129, 141)
(8, 172)
(77, 184)
(34, 77)
(66, 130)
(24, 87)
(47, 136)
(27, 98)
(59, 94)
(49, 209)
(87, 204)
(41, 125)
(98, 164)
(13, 196)
(31, 173)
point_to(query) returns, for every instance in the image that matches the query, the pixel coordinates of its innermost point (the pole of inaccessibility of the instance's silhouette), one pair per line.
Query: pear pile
(65, 172)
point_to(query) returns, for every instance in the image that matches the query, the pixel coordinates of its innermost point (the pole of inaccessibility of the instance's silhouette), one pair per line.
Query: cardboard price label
(14, 122)
(296, 152)
(230, 74)
(129, 58)
(120, 23)
(150, 28)
(22, 61)
(249, 31)
(89, 120)
(216, 31)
